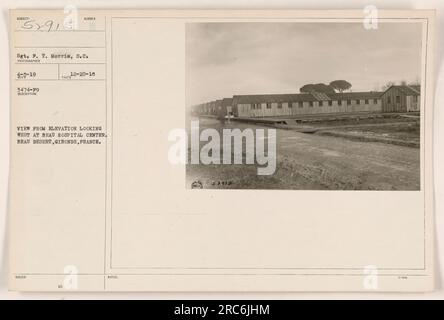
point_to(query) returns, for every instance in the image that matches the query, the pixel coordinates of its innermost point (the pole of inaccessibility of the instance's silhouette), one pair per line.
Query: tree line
(332, 87)
(343, 85)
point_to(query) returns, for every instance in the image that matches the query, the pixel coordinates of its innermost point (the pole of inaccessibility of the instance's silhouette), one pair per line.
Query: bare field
(408, 132)
(317, 162)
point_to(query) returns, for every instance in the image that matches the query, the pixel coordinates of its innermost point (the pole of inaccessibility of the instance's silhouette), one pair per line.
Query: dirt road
(313, 162)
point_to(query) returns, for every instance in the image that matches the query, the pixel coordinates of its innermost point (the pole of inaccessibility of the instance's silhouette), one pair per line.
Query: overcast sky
(224, 59)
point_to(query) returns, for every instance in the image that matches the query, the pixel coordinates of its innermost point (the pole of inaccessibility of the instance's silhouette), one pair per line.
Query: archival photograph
(303, 105)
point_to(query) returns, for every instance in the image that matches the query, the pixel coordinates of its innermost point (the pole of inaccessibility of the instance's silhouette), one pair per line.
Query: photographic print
(195, 150)
(303, 105)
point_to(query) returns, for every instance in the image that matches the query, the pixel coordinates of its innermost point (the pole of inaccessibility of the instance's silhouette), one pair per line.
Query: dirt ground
(316, 162)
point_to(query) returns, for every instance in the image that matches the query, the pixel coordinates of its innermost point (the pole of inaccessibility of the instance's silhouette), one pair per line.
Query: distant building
(394, 99)
(401, 99)
(305, 103)
(227, 107)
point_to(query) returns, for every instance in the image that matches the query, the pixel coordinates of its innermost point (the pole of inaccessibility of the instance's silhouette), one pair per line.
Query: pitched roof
(316, 96)
(417, 88)
(355, 95)
(226, 102)
(263, 98)
(320, 96)
(408, 90)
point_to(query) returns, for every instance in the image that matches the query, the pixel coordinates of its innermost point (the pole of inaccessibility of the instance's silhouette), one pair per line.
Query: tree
(340, 85)
(318, 87)
(307, 88)
(324, 88)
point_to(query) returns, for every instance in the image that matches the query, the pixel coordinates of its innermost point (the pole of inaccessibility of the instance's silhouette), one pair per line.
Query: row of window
(310, 103)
